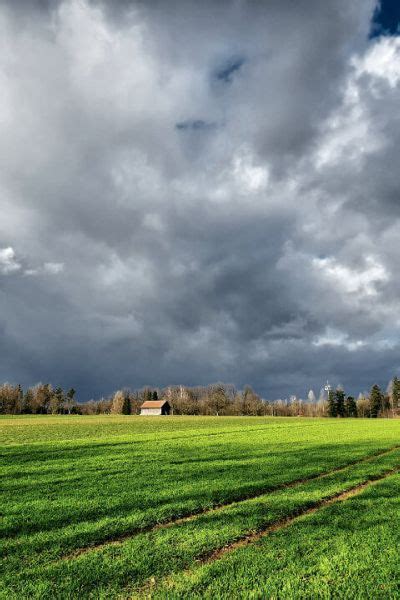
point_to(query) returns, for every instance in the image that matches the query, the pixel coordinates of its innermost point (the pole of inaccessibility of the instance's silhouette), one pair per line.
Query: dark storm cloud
(194, 192)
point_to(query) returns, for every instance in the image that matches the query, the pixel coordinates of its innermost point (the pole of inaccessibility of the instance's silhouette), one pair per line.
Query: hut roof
(154, 403)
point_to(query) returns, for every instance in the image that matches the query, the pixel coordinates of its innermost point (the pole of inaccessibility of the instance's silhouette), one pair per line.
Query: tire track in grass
(151, 586)
(121, 538)
(287, 521)
(142, 564)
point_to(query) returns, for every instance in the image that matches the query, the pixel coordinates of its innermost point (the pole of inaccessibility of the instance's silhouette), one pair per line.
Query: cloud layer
(198, 192)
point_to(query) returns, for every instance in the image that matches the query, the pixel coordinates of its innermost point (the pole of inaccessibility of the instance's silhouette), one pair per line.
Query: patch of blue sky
(386, 19)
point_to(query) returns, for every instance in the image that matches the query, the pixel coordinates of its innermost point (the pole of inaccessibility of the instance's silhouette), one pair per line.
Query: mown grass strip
(113, 570)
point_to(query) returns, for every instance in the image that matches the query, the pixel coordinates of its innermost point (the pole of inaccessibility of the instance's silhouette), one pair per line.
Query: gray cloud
(227, 71)
(198, 192)
(195, 125)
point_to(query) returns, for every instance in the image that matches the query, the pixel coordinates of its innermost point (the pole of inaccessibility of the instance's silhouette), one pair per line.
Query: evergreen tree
(126, 407)
(332, 405)
(386, 404)
(155, 395)
(376, 398)
(396, 392)
(340, 410)
(350, 407)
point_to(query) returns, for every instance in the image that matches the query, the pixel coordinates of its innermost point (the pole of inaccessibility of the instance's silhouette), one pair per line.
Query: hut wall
(150, 411)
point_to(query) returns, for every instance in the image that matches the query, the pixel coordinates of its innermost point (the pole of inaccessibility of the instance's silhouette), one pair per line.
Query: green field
(215, 507)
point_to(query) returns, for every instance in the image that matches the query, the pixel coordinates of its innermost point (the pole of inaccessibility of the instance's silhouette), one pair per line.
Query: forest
(218, 399)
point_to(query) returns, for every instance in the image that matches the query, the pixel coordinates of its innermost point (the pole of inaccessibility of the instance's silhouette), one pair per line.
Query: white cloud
(361, 281)
(48, 268)
(333, 337)
(352, 131)
(8, 261)
(53, 268)
(249, 177)
(381, 61)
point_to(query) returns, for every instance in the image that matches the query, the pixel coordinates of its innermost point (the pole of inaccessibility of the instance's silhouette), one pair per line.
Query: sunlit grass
(71, 483)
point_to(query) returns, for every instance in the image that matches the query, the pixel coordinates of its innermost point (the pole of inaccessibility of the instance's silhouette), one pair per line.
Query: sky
(194, 192)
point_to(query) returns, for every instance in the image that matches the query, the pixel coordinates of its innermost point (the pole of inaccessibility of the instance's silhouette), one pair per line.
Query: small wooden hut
(155, 407)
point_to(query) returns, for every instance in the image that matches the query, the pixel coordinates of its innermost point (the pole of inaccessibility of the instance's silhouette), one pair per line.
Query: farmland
(113, 506)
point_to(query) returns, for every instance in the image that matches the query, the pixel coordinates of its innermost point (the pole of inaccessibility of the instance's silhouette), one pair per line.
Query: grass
(93, 506)
(346, 550)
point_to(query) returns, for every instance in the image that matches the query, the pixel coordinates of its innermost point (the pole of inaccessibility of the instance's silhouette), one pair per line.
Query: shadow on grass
(140, 504)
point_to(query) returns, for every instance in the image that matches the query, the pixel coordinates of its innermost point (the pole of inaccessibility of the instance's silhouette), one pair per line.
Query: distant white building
(155, 408)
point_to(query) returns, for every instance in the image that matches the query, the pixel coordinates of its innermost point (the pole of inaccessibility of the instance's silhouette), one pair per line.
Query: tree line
(373, 405)
(40, 399)
(215, 399)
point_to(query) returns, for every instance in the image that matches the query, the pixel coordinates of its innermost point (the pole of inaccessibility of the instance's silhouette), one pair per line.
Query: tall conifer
(376, 398)
(332, 405)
